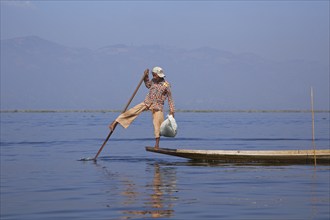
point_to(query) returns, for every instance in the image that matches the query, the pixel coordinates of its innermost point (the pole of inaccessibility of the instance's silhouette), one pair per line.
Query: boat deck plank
(250, 156)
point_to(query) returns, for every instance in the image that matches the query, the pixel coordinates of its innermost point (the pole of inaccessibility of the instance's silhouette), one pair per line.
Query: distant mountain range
(40, 74)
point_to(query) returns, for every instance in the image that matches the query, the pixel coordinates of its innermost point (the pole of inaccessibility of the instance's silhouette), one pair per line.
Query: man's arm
(171, 102)
(147, 82)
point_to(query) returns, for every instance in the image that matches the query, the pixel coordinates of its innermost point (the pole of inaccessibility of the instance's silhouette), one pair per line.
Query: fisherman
(159, 91)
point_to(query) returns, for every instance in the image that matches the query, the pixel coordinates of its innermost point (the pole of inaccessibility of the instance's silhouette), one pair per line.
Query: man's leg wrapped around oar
(126, 118)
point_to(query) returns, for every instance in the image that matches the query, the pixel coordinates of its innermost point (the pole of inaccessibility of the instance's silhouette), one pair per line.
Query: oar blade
(87, 159)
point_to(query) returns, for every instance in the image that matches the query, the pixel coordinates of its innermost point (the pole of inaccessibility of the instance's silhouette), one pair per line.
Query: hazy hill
(39, 74)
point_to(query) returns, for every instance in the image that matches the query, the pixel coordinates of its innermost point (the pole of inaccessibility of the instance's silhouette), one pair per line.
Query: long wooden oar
(128, 103)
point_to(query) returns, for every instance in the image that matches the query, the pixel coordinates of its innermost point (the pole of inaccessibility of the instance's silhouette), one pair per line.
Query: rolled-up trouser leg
(158, 118)
(126, 118)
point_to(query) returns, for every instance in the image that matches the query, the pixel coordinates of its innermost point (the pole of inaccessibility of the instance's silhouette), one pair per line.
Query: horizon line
(179, 110)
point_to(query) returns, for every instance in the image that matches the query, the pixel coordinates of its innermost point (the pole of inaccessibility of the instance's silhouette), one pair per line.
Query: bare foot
(156, 147)
(112, 126)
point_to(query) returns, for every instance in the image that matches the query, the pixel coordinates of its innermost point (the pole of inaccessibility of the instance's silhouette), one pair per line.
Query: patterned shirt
(158, 93)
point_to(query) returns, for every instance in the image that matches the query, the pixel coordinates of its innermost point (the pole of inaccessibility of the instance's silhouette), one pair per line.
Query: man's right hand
(146, 73)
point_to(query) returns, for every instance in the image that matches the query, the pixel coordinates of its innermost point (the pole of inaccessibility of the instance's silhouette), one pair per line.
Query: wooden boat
(250, 156)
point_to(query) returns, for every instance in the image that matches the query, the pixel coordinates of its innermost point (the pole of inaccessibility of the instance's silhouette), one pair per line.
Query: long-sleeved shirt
(158, 93)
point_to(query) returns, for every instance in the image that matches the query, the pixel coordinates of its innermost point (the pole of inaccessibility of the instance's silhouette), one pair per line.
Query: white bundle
(169, 127)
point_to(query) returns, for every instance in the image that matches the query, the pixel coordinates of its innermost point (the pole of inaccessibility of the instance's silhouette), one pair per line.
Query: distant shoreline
(179, 110)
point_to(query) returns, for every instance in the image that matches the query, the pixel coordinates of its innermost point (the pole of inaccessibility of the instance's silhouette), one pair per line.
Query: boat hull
(252, 156)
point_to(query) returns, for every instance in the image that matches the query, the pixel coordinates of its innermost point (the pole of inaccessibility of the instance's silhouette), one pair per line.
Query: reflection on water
(159, 203)
(154, 199)
(265, 189)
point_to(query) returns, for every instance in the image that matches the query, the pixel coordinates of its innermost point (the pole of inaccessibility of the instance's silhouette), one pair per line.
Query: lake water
(41, 177)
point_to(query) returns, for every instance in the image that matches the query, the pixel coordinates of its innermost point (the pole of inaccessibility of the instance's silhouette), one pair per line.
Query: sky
(277, 30)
